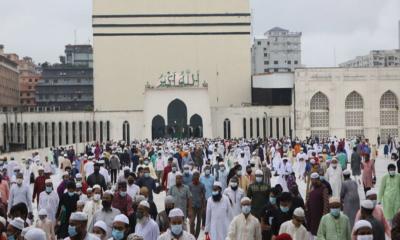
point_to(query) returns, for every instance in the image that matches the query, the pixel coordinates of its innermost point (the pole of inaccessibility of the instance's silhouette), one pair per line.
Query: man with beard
(235, 195)
(162, 217)
(146, 227)
(198, 192)
(218, 214)
(97, 178)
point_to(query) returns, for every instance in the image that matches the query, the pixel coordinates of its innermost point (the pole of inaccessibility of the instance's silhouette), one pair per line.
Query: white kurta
(90, 208)
(335, 178)
(218, 217)
(168, 236)
(234, 198)
(50, 203)
(299, 233)
(148, 230)
(242, 228)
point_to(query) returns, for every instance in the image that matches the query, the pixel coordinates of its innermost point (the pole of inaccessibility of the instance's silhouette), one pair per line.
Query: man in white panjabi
(94, 204)
(244, 225)
(334, 176)
(218, 213)
(295, 226)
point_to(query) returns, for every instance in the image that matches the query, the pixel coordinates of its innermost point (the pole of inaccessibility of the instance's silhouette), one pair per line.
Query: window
(258, 43)
(276, 70)
(265, 49)
(296, 62)
(244, 128)
(251, 128)
(319, 115)
(29, 87)
(266, 62)
(28, 94)
(289, 62)
(30, 80)
(266, 70)
(276, 62)
(268, 43)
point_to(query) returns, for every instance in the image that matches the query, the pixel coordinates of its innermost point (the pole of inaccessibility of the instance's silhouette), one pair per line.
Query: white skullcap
(138, 198)
(126, 168)
(17, 223)
(346, 172)
(79, 216)
(312, 161)
(361, 224)
(78, 185)
(217, 184)
(65, 155)
(371, 192)
(78, 175)
(3, 221)
(334, 200)
(40, 168)
(314, 175)
(48, 181)
(35, 234)
(101, 224)
(42, 212)
(259, 172)
(144, 203)
(89, 189)
(245, 199)
(65, 174)
(121, 218)
(47, 170)
(176, 212)
(17, 168)
(169, 200)
(80, 202)
(367, 204)
(178, 174)
(299, 212)
(221, 163)
(96, 186)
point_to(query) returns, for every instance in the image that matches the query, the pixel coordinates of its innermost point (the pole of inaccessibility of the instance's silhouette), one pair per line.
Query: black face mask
(217, 198)
(106, 204)
(130, 182)
(234, 188)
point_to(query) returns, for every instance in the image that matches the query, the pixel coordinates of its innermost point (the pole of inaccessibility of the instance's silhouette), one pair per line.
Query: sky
(333, 30)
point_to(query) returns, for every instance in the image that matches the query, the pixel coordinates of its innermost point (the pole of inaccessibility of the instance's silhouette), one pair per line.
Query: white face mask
(96, 197)
(365, 237)
(19, 181)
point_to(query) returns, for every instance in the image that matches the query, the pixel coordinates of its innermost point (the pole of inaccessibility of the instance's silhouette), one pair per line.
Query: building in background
(277, 51)
(376, 58)
(29, 75)
(9, 85)
(69, 85)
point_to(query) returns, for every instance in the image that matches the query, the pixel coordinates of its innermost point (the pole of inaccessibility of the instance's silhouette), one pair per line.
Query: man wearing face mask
(66, 206)
(183, 196)
(14, 229)
(122, 201)
(49, 200)
(198, 192)
(94, 204)
(377, 211)
(97, 178)
(132, 188)
(77, 228)
(388, 192)
(39, 185)
(176, 219)
(222, 175)
(107, 213)
(282, 213)
(207, 180)
(150, 183)
(268, 213)
(120, 228)
(334, 176)
(235, 195)
(146, 227)
(245, 225)
(367, 207)
(334, 225)
(218, 214)
(187, 175)
(257, 192)
(294, 227)
(20, 193)
(46, 224)
(162, 217)
(171, 176)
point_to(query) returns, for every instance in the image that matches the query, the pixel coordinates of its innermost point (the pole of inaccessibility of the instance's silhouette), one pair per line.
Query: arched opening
(244, 128)
(177, 119)
(354, 115)
(80, 132)
(196, 123)
(59, 133)
(101, 131)
(157, 127)
(46, 134)
(251, 127)
(108, 130)
(126, 132)
(74, 132)
(389, 116)
(87, 131)
(319, 115)
(227, 128)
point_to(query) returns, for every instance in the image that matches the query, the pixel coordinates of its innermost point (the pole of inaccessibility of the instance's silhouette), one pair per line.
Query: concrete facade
(28, 78)
(375, 113)
(144, 39)
(277, 51)
(376, 58)
(9, 84)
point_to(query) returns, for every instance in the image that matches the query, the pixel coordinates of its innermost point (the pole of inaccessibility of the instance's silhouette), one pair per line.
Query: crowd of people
(213, 189)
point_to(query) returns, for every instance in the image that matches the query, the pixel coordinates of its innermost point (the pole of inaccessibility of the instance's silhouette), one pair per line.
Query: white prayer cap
(42, 212)
(314, 175)
(96, 186)
(65, 155)
(169, 200)
(176, 212)
(79, 216)
(17, 168)
(217, 184)
(73, 163)
(371, 192)
(346, 172)
(178, 174)
(101, 224)
(89, 190)
(48, 181)
(78, 185)
(35, 234)
(221, 163)
(17, 223)
(367, 204)
(78, 175)
(121, 218)
(80, 202)
(101, 162)
(90, 158)
(126, 168)
(40, 168)
(361, 224)
(299, 212)
(312, 161)
(3, 221)
(245, 199)
(334, 200)
(144, 203)
(65, 174)
(259, 172)
(138, 198)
